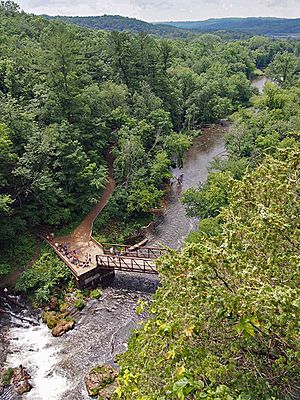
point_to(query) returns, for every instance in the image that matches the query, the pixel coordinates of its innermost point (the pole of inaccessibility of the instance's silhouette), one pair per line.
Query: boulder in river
(62, 327)
(59, 323)
(101, 381)
(18, 378)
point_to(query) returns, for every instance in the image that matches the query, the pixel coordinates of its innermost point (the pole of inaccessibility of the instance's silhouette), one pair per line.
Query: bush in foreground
(224, 323)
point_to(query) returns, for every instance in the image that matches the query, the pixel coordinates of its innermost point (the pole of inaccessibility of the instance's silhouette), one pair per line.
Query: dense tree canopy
(68, 93)
(224, 323)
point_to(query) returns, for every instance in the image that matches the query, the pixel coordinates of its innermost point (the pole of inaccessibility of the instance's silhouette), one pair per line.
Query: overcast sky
(166, 10)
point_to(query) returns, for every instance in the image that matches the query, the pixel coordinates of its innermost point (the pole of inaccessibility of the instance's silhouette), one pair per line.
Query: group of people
(73, 256)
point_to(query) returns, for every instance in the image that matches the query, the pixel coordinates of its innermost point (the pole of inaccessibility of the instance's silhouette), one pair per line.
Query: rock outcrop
(21, 380)
(101, 382)
(18, 378)
(59, 323)
(62, 327)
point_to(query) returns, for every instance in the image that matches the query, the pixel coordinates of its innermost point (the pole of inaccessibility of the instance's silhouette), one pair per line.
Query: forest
(230, 27)
(252, 25)
(224, 323)
(119, 23)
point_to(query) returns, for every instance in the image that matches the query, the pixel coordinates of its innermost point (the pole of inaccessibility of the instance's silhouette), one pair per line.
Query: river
(260, 82)
(175, 225)
(58, 365)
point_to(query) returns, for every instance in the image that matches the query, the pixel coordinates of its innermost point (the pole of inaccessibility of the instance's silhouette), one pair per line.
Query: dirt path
(81, 239)
(11, 279)
(36, 253)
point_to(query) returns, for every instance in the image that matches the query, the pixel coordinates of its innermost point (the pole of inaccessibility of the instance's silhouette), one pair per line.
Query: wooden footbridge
(107, 259)
(130, 259)
(92, 263)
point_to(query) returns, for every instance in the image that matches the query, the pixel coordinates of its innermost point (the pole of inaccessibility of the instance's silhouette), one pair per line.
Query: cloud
(276, 3)
(164, 10)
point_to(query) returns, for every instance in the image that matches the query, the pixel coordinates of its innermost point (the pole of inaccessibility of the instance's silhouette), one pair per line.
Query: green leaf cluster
(224, 322)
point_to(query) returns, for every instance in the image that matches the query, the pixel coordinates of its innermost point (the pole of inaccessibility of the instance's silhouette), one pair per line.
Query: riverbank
(105, 325)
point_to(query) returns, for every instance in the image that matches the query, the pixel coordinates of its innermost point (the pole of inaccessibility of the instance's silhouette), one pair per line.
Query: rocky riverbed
(58, 366)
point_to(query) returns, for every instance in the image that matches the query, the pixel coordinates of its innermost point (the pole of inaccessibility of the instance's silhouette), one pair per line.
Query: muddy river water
(58, 365)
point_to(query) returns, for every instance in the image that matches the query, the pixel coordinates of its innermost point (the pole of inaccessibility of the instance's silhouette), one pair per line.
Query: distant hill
(118, 23)
(234, 26)
(252, 26)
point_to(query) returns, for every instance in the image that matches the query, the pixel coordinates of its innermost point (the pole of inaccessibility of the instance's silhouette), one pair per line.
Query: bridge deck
(127, 264)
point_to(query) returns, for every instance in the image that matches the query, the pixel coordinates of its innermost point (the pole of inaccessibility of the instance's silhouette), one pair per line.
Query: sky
(166, 10)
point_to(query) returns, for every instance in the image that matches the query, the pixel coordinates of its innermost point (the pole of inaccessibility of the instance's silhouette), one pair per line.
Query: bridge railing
(131, 251)
(127, 264)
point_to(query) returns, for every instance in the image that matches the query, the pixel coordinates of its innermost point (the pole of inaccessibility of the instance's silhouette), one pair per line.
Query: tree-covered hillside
(69, 93)
(225, 322)
(252, 26)
(233, 26)
(119, 23)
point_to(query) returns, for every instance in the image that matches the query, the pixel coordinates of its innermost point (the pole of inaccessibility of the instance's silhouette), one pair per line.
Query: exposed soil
(81, 239)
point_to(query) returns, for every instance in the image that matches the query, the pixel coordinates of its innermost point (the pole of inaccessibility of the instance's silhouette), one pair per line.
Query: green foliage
(6, 376)
(96, 294)
(210, 198)
(222, 325)
(208, 227)
(45, 274)
(79, 304)
(5, 268)
(284, 69)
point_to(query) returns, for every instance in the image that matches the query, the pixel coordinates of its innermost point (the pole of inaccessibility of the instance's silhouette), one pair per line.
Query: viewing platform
(104, 260)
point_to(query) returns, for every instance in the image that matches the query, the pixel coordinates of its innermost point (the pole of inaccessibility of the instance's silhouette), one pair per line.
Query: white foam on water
(35, 348)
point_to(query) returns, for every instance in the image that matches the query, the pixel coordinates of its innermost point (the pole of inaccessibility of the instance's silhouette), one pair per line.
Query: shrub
(79, 294)
(41, 279)
(96, 294)
(79, 304)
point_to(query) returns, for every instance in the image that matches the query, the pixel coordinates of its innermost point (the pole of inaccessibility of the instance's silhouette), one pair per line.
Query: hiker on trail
(112, 251)
(90, 258)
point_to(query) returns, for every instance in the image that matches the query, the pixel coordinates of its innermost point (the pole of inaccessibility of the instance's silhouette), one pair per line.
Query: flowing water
(175, 225)
(58, 365)
(260, 82)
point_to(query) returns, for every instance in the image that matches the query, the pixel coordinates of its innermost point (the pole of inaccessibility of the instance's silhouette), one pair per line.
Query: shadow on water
(147, 284)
